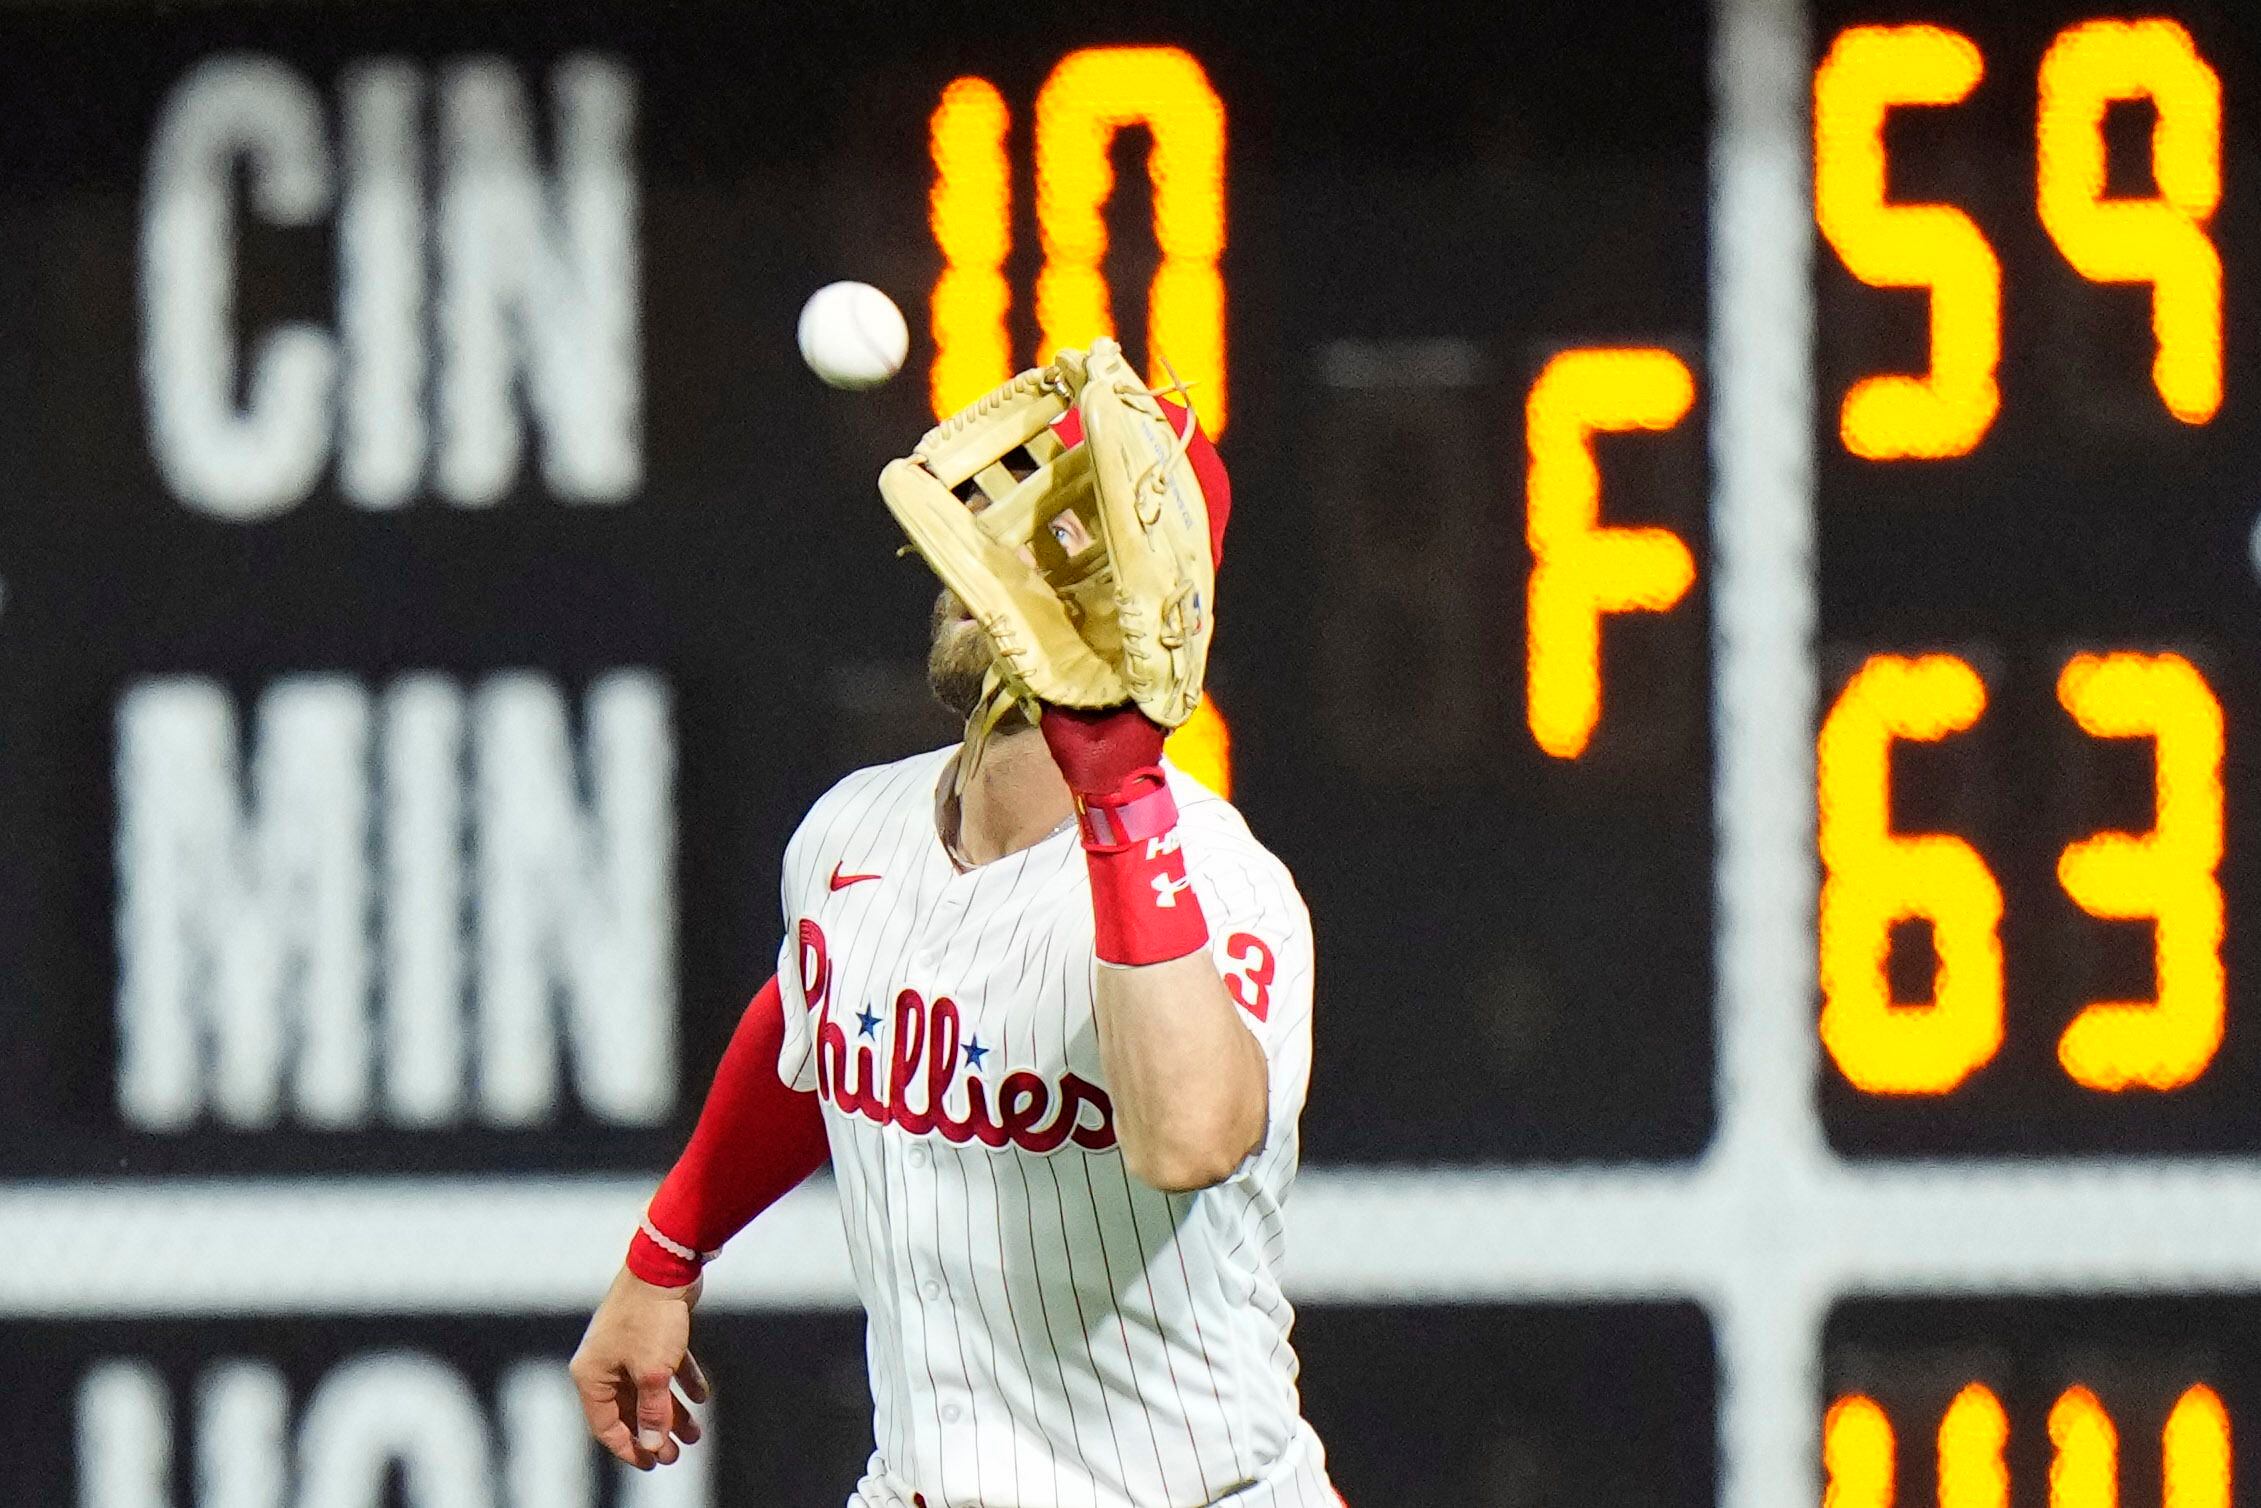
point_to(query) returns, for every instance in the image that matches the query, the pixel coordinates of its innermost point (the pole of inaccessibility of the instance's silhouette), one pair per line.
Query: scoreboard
(1746, 517)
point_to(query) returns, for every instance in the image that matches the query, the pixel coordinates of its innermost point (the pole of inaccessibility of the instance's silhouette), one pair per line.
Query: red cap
(1208, 469)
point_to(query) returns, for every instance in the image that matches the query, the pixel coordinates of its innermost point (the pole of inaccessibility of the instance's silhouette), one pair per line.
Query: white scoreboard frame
(1766, 1230)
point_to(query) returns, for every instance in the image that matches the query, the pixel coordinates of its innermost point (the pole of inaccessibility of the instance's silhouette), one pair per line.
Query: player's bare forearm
(1187, 1079)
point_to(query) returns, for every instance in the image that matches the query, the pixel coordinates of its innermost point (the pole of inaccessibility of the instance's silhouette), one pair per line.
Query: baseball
(853, 336)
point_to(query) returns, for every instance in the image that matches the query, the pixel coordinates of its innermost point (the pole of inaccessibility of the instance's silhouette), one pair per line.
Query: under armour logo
(1166, 889)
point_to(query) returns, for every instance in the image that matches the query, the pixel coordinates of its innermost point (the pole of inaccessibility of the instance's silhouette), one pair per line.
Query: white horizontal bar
(548, 1244)
(423, 1246)
(2150, 1225)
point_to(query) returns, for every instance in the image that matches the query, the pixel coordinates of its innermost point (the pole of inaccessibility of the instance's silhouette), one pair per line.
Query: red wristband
(661, 1261)
(1142, 902)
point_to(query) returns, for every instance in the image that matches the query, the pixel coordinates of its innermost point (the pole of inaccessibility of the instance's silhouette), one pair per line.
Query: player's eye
(1069, 532)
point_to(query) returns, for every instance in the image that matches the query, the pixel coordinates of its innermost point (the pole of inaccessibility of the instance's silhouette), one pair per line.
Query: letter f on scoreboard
(1582, 569)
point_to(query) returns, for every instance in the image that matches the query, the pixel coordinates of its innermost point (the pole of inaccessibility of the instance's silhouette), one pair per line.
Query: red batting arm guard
(756, 1139)
(1143, 908)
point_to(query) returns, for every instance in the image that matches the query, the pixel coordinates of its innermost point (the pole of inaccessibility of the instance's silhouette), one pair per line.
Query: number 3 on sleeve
(1250, 983)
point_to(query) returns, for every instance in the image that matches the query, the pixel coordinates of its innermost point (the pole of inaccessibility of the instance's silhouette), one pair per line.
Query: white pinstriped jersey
(1044, 1331)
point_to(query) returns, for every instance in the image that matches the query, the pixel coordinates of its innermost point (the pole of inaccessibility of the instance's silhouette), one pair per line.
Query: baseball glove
(985, 499)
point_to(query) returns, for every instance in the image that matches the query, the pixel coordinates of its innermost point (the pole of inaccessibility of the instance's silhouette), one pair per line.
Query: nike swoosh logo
(843, 881)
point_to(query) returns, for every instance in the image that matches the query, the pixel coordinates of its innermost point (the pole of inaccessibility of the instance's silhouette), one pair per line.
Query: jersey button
(951, 1413)
(918, 1157)
(931, 1289)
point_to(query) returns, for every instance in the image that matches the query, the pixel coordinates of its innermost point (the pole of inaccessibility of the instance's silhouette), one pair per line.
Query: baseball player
(1044, 1004)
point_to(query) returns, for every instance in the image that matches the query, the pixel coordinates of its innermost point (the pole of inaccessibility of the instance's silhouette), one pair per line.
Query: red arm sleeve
(756, 1139)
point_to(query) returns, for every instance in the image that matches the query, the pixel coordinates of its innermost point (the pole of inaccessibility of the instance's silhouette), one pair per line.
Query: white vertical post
(1766, 1312)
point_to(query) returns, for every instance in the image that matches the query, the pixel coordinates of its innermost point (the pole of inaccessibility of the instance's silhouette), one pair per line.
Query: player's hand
(637, 1346)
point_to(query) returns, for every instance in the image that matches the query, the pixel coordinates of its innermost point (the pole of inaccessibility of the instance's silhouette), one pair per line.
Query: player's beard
(957, 658)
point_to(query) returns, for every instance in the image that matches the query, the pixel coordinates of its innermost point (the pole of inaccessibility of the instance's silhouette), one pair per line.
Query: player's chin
(956, 687)
(955, 666)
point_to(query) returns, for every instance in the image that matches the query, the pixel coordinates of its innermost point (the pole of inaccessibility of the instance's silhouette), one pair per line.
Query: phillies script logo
(928, 1059)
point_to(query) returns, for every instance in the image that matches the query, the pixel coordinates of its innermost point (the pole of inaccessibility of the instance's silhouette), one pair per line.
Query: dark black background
(2088, 519)
(1514, 953)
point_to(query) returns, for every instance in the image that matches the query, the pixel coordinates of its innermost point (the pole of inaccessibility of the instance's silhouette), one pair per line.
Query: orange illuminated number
(1581, 570)
(2162, 239)
(2195, 1452)
(1091, 98)
(2085, 1471)
(1202, 746)
(1870, 70)
(1874, 877)
(1971, 1437)
(1856, 1455)
(2166, 875)
(970, 210)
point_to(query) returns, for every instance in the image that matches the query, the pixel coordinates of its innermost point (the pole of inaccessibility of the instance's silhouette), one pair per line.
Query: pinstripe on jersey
(1043, 1330)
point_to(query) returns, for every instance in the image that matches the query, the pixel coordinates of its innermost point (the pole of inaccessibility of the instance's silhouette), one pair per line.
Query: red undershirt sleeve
(757, 1138)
